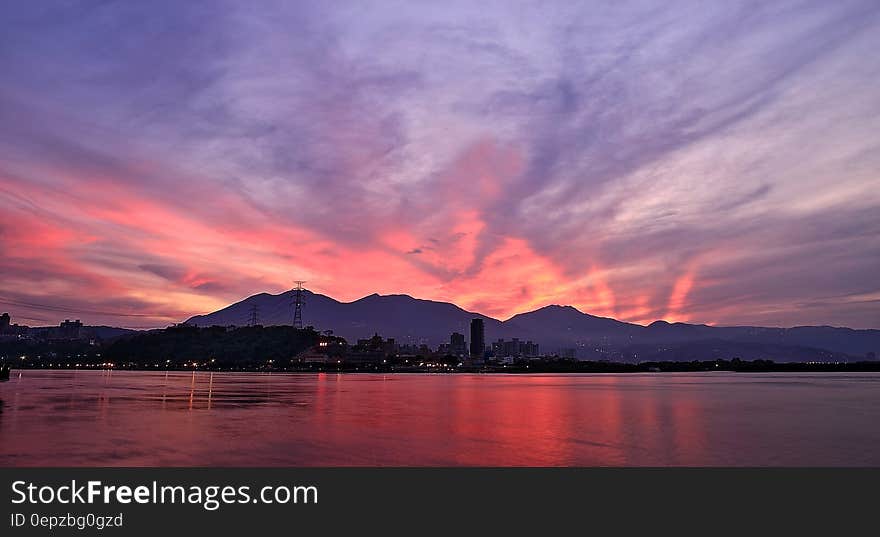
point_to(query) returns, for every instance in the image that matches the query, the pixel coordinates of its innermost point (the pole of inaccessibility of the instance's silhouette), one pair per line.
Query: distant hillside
(109, 332)
(716, 349)
(412, 320)
(183, 343)
(567, 326)
(98, 332)
(844, 340)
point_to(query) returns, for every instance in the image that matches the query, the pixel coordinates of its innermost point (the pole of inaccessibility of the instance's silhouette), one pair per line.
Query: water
(121, 418)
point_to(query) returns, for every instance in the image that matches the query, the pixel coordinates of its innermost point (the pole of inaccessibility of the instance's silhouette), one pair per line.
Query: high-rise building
(478, 338)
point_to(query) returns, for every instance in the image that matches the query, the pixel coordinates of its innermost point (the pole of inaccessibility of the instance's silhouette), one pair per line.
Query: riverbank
(534, 366)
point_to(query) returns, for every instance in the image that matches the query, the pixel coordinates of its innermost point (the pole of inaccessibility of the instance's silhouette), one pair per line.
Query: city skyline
(643, 161)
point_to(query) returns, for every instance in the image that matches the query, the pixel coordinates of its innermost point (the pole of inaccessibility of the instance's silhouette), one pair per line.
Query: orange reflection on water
(87, 418)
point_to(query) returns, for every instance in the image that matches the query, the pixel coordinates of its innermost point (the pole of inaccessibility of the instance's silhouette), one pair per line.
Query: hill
(554, 327)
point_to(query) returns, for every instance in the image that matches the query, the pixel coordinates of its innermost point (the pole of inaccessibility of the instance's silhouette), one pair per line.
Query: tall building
(478, 338)
(4, 322)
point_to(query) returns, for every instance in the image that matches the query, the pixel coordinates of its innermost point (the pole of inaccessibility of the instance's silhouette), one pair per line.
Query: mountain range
(555, 328)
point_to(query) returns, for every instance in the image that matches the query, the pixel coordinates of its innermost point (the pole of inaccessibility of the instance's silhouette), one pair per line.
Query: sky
(710, 162)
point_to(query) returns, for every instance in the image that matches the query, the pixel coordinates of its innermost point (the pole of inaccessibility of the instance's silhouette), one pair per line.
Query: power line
(66, 309)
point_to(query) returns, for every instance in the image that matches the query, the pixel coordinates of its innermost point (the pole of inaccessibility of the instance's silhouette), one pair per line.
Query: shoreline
(567, 368)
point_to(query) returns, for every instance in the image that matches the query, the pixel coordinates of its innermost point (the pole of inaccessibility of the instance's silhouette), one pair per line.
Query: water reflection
(203, 418)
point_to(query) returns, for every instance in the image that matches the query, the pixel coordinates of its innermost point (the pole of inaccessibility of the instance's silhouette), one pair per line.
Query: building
(376, 344)
(478, 338)
(410, 349)
(374, 350)
(514, 348)
(457, 345)
(314, 356)
(529, 349)
(70, 330)
(8, 330)
(328, 350)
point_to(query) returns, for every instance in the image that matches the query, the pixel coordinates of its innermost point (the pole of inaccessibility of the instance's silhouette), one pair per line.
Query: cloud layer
(639, 160)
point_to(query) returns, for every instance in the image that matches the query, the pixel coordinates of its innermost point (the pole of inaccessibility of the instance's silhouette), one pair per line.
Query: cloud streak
(640, 160)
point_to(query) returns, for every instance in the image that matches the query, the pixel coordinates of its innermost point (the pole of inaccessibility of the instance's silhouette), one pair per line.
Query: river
(134, 418)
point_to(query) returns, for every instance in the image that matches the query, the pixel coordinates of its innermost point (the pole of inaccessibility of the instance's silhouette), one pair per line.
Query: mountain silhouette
(554, 328)
(567, 325)
(407, 319)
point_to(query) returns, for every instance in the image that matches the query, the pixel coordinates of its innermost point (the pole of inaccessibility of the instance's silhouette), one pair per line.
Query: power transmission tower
(298, 301)
(254, 318)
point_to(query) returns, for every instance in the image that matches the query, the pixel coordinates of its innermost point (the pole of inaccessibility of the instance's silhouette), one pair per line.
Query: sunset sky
(714, 162)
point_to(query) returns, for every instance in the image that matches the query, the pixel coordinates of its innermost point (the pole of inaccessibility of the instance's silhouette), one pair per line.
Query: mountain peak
(561, 307)
(555, 308)
(377, 296)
